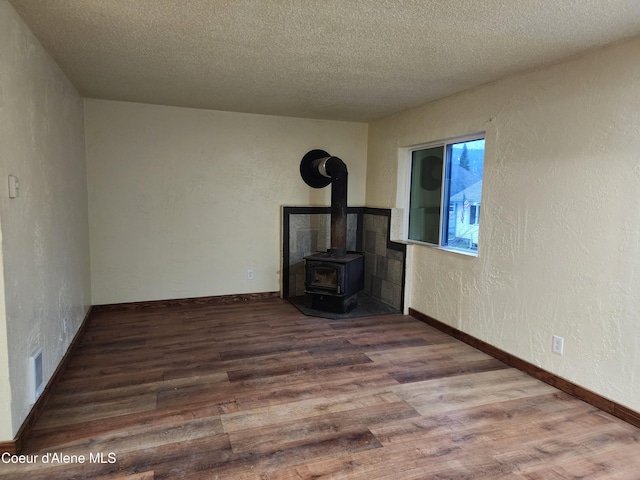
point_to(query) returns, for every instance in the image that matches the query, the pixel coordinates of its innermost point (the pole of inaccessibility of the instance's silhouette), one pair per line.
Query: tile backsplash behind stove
(308, 230)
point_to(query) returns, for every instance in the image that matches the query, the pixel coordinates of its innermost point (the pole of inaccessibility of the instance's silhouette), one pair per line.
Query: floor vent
(37, 374)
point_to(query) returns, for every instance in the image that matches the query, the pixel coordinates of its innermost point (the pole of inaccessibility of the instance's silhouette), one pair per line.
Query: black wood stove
(332, 278)
(334, 282)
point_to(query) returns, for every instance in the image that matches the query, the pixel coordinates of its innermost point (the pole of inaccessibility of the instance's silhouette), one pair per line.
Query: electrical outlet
(250, 274)
(558, 345)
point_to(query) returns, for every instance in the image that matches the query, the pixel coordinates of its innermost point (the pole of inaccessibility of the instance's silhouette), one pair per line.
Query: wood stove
(335, 277)
(334, 282)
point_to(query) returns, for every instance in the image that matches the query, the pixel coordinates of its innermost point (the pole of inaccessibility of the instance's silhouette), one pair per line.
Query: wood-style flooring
(257, 390)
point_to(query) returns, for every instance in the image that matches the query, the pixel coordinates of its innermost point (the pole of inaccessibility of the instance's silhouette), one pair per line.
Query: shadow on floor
(367, 307)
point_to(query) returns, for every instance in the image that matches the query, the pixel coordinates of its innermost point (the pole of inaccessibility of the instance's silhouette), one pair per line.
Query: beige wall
(560, 228)
(183, 202)
(45, 233)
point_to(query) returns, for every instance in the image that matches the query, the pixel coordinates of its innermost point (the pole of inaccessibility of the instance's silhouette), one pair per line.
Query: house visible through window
(445, 194)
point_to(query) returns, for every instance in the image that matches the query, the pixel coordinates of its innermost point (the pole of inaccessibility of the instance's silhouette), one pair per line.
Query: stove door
(324, 278)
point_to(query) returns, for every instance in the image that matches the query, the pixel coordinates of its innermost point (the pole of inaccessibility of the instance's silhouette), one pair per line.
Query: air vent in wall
(37, 375)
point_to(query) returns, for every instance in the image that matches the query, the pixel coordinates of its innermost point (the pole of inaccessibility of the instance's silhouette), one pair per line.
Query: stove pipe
(319, 169)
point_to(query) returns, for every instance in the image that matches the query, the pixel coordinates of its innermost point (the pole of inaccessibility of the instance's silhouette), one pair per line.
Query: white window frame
(408, 151)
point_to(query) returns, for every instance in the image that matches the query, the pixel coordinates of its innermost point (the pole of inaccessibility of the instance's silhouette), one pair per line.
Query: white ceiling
(335, 59)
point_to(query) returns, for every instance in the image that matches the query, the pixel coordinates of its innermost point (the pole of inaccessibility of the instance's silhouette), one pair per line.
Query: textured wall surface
(560, 228)
(45, 233)
(183, 202)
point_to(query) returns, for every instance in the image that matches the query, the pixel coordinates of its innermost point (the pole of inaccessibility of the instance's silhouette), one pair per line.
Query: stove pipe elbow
(331, 167)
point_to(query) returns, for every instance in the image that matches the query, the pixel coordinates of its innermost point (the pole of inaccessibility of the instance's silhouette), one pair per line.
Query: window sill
(459, 251)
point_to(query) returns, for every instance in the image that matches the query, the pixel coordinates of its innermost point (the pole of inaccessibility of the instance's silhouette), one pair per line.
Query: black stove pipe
(338, 172)
(318, 169)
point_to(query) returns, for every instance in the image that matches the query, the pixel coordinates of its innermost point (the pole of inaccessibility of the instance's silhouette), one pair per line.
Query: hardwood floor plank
(109, 381)
(268, 392)
(278, 436)
(321, 363)
(304, 409)
(68, 436)
(67, 398)
(365, 345)
(470, 390)
(171, 460)
(428, 354)
(183, 365)
(445, 369)
(96, 410)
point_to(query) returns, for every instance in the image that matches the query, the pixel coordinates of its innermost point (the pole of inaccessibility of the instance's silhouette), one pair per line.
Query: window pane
(465, 163)
(426, 194)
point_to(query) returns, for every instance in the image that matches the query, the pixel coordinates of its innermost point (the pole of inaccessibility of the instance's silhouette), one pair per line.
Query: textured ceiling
(335, 59)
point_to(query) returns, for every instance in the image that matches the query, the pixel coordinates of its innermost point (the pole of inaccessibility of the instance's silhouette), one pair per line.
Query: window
(445, 193)
(474, 215)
